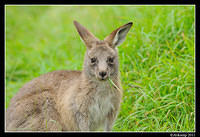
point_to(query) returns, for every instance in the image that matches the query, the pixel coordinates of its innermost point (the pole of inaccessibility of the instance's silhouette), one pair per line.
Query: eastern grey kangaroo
(64, 100)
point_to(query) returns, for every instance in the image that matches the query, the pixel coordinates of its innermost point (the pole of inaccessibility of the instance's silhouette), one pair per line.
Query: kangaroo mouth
(102, 78)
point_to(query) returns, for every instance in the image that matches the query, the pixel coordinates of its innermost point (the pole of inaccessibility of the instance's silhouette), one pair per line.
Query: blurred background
(156, 59)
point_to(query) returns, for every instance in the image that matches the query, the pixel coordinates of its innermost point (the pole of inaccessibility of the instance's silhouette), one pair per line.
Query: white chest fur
(101, 105)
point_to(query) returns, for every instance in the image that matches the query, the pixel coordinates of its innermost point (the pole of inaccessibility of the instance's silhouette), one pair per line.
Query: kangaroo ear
(86, 36)
(118, 35)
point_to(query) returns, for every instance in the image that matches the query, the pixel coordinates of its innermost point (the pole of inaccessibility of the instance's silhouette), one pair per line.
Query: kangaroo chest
(101, 105)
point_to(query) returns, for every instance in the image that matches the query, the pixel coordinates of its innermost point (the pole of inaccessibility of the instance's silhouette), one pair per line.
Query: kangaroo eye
(93, 60)
(110, 60)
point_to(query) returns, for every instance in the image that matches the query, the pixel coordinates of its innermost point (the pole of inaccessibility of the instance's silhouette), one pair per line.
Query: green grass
(156, 60)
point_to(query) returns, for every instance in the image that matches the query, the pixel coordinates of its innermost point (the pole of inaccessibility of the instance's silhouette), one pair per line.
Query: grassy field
(156, 60)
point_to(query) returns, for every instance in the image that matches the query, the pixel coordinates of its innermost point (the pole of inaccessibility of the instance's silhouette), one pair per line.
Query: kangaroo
(86, 100)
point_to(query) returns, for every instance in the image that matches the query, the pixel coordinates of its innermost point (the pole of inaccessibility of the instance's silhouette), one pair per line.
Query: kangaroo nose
(102, 73)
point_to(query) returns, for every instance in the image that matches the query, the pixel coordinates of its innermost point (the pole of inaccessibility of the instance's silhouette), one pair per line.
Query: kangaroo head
(101, 58)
